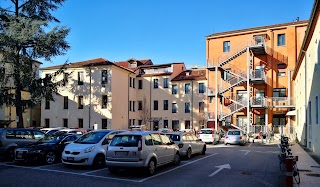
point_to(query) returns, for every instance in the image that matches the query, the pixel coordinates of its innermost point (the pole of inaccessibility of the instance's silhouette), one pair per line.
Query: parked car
(165, 130)
(209, 135)
(235, 136)
(11, 138)
(137, 128)
(143, 149)
(89, 149)
(188, 143)
(72, 131)
(47, 150)
(50, 131)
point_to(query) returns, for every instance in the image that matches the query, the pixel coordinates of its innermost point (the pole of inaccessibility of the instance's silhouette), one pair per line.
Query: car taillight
(240, 137)
(226, 137)
(180, 145)
(140, 144)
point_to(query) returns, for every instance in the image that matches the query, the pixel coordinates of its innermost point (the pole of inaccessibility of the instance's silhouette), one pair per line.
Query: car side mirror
(199, 140)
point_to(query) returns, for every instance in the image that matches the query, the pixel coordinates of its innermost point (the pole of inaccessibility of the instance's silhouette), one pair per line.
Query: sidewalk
(307, 166)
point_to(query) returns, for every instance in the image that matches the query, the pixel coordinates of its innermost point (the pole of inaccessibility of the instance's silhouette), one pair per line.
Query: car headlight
(89, 149)
(35, 151)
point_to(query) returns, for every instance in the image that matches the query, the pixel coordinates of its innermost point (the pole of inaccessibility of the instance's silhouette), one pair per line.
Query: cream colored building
(307, 88)
(111, 95)
(31, 116)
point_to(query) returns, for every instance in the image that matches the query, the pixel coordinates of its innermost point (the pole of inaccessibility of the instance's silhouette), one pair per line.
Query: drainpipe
(216, 95)
(90, 96)
(248, 91)
(192, 127)
(150, 102)
(306, 99)
(289, 98)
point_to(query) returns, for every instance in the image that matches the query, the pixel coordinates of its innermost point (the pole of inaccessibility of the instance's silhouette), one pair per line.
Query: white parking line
(250, 144)
(279, 146)
(95, 171)
(142, 180)
(49, 165)
(73, 173)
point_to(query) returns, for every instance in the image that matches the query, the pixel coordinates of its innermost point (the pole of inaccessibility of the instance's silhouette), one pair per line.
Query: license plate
(70, 158)
(121, 153)
(19, 155)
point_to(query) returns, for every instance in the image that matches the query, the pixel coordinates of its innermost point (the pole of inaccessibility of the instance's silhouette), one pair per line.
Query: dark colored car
(47, 150)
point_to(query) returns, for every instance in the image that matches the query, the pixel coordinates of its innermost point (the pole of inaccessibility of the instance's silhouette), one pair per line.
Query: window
(148, 140)
(281, 39)
(165, 123)
(23, 134)
(187, 124)
(155, 83)
(226, 75)
(47, 123)
(47, 104)
(156, 139)
(104, 76)
(130, 82)
(65, 102)
(279, 120)
(38, 135)
(133, 121)
(165, 104)
(187, 88)
(140, 84)
(155, 105)
(130, 104)
(260, 120)
(165, 139)
(166, 83)
(133, 82)
(310, 112)
(282, 70)
(187, 107)
(104, 101)
(279, 92)
(139, 105)
(175, 125)
(133, 106)
(201, 106)
(174, 89)
(201, 87)
(80, 78)
(226, 46)
(65, 78)
(139, 122)
(174, 107)
(65, 122)
(317, 111)
(80, 123)
(80, 102)
(129, 122)
(104, 123)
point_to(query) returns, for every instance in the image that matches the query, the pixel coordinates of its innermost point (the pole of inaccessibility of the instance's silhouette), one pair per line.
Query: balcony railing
(258, 74)
(280, 102)
(258, 101)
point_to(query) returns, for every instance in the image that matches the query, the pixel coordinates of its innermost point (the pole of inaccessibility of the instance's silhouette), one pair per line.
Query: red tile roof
(155, 74)
(93, 62)
(191, 75)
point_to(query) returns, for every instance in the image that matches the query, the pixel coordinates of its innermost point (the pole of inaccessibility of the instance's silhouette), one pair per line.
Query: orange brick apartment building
(259, 61)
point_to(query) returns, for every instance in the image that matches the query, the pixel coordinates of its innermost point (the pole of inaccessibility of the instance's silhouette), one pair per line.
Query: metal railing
(234, 81)
(260, 101)
(234, 51)
(279, 101)
(258, 74)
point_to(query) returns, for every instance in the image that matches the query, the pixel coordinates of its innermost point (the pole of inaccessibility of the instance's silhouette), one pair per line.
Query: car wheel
(189, 153)
(112, 169)
(203, 150)
(10, 153)
(99, 161)
(151, 167)
(177, 159)
(50, 157)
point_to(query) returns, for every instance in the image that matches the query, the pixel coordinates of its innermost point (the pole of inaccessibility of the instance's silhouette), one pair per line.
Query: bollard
(289, 172)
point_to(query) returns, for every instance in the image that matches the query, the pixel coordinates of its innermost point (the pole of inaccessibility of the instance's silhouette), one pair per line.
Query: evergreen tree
(25, 35)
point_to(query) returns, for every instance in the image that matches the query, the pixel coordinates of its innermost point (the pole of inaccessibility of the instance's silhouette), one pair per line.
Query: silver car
(188, 143)
(144, 149)
(235, 136)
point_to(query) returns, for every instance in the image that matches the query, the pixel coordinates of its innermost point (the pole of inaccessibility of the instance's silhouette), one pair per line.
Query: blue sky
(163, 30)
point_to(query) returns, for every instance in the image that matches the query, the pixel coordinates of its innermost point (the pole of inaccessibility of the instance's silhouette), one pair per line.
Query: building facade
(117, 95)
(249, 77)
(307, 88)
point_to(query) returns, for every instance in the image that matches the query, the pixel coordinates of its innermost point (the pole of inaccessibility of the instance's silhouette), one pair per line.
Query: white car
(50, 131)
(188, 143)
(209, 135)
(89, 149)
(71, 131)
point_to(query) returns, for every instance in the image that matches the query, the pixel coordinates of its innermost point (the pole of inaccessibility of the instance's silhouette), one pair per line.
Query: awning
(291, 113)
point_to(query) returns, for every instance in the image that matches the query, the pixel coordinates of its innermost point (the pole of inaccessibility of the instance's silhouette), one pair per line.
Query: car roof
(141, 133)
(176, 133)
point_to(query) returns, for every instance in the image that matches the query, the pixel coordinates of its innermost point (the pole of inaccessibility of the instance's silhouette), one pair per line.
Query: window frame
(281, 40)
(140, 83)
(65, 102)
(155, 105)
(65, 122)
(80, 122)
(174, 108)
(187, 108)
(104, 101)
(187, 88)
(104, 76)
(165, 104)
(174, 89)
(226, 46)
(140, 105)
(47, 104)
(80, 77)
(201, 87)
(155, 83)
(80, 102)
(165, 82)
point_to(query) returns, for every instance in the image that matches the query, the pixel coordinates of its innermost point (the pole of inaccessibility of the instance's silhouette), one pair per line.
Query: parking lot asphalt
(231, 165)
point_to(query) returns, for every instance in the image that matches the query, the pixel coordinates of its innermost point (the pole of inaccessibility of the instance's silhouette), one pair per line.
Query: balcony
(258, 76)
(280, 102)
(258, 102)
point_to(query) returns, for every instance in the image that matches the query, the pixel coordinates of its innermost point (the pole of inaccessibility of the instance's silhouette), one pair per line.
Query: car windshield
(234, 133)
(125, 140)
(206, 131)
(174, 137)
(51, 139)
(45, 131)
(91, 137)
(51, 132)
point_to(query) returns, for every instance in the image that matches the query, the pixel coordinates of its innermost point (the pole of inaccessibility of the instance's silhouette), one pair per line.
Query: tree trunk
(18, 106)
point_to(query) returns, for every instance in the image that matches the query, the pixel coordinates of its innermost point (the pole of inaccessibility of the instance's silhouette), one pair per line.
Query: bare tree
(145, 112)
(202, 118)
